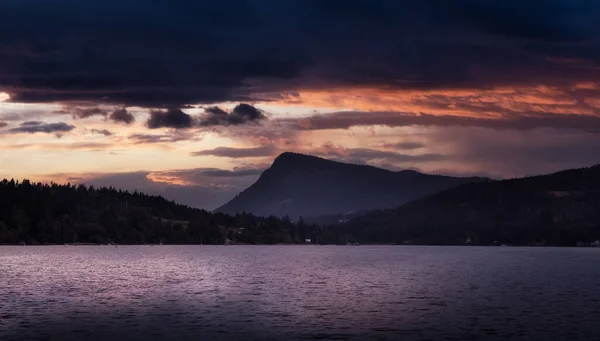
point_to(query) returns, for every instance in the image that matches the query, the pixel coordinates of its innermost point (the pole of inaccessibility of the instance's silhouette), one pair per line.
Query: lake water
(298, 292)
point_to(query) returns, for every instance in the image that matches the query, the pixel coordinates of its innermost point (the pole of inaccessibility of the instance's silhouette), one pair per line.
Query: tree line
(556, 209)
(37, 213)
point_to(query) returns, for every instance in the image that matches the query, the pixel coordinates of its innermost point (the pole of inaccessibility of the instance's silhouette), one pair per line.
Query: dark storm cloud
(88, 112)
(248, 112)
(347, 119)
(551, 23)
(80, 113)
(242, 113)
(171, 118)
(41, 127)
(237, 152)
(101, 132)
(170, 53)
(123, 116)
(3, 124)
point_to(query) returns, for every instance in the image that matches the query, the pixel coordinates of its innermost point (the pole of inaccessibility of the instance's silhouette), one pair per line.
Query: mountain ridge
(558, 208)
(303, 185)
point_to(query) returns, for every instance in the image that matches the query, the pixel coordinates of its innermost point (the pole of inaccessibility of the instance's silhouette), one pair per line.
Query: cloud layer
(122, 116)
(32, 127)
(242, 113)
(234, 153)
(499, 87)
(171, 118)
(345, 120)
(171, 53)
(200, 187)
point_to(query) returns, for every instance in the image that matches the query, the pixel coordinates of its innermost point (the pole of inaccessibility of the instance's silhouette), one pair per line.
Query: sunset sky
(193, 100)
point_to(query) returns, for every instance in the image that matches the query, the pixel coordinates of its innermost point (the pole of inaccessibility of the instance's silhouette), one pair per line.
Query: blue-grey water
(298, 292)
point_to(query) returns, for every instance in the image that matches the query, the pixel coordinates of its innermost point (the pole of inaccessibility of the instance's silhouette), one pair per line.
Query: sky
(193, 100)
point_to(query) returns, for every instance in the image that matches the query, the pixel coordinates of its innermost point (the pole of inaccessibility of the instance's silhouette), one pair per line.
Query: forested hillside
(56, 214)
(555, 209)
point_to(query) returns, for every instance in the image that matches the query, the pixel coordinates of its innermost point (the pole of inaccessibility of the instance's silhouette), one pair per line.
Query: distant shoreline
(308, 245)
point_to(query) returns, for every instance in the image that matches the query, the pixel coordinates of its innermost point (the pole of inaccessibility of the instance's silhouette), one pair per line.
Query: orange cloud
(593, 101)
(165, 177)
(586, 86)
(462, 102)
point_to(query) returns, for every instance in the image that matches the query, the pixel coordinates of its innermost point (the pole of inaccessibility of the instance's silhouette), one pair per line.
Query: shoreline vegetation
(553, 210)
(589, 245)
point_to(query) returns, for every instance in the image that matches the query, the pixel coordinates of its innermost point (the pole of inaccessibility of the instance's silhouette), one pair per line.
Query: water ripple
(303, 292)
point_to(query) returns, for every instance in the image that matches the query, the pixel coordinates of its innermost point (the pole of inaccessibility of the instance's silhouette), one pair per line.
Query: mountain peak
(294, 157)
(295, 161)
(304, 185)
(287, 156)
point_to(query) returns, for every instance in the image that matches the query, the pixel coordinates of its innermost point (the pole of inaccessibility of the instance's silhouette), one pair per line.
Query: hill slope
(559, 208)
(301, 185)
(56, 214)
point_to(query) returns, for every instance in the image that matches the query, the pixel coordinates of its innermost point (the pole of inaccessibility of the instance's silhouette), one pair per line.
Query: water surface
(298, 292)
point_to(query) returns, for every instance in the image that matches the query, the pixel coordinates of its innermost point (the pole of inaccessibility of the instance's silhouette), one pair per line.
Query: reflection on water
(298, 292)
